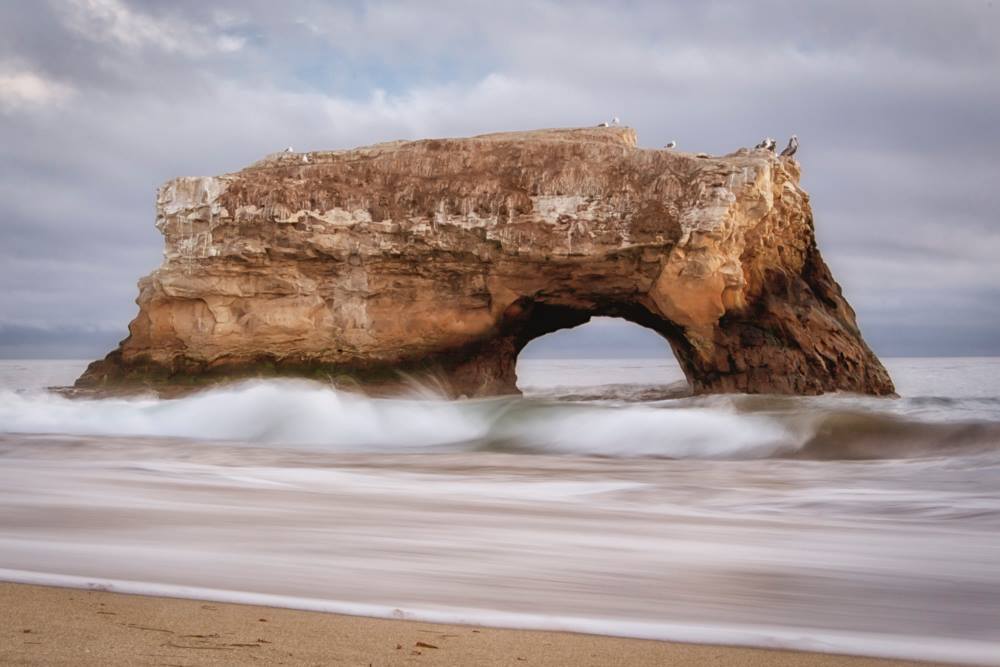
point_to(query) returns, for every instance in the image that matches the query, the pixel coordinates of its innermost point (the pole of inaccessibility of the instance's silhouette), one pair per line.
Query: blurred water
(605, 500)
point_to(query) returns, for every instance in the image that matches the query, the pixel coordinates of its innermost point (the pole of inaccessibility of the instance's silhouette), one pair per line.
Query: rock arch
(451, 255)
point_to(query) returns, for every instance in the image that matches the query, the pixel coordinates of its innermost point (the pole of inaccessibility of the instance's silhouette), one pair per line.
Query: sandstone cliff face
(450, 255)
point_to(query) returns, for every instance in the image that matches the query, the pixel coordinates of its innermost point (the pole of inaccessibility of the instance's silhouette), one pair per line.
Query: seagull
(671, 144)
(793, 145)
(604, 124)
(305, 158)
(289, 150)
(768, 143)
(615, 121)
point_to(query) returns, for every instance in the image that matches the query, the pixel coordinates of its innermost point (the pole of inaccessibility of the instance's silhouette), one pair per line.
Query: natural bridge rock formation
(449, 255)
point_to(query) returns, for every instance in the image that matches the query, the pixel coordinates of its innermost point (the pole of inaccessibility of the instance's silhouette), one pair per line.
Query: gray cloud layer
(895, 103)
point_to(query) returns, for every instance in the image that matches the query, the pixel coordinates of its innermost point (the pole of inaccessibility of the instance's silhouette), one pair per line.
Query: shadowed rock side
(450, 255)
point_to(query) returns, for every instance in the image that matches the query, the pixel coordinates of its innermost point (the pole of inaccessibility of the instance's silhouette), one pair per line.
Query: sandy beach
(60, 626)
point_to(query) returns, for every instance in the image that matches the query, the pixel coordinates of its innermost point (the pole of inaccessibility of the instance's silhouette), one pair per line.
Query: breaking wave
(301, 414)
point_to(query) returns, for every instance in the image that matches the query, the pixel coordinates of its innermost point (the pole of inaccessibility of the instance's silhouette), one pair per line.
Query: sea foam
(304, 414)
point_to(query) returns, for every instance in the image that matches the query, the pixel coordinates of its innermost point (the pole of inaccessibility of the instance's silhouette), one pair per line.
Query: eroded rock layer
(450, 255)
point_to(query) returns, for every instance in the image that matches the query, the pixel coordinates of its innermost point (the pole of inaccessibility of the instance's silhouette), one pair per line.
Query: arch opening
(601, 357)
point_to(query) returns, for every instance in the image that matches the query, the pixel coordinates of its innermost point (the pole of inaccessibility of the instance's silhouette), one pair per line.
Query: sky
(896, 104)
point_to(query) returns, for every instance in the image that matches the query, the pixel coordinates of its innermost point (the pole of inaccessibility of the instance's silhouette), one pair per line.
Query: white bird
(768, 143)
(604, 124)
(289, 150)
(671, 144)
(793, 145)
(615, 121)
(305, 158)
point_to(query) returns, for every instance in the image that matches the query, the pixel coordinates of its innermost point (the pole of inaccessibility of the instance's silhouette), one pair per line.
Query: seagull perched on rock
(289, 150)
(615, 121)
(305, 158)
(671, 144)
(793, 145)
(768, 143)
(604, 124)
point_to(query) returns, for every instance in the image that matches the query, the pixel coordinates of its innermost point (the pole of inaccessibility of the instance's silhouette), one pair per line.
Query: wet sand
(60, 626)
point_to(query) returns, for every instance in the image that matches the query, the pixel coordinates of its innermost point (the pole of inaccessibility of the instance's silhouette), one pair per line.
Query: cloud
(602, 337)
(229, 43)
(22, 90)
(115, 22)
(64, 342)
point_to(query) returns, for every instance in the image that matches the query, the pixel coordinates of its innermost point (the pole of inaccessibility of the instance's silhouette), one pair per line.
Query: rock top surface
(450, 255)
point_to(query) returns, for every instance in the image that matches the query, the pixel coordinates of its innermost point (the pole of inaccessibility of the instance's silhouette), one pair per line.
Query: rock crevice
(450, 255)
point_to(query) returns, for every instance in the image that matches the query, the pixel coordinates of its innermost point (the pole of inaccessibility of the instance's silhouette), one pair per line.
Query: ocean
(605, 500)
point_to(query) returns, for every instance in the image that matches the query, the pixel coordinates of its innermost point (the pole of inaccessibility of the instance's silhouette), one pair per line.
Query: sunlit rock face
(450, 255)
